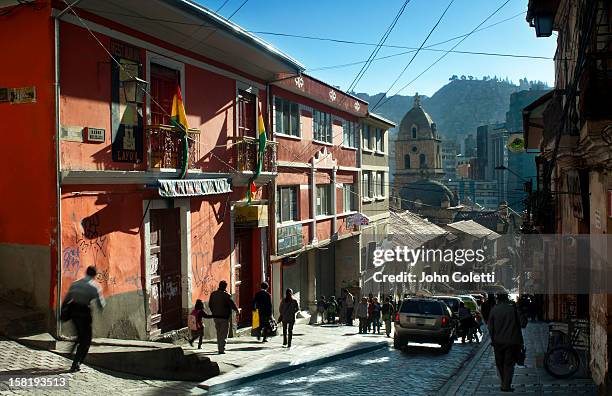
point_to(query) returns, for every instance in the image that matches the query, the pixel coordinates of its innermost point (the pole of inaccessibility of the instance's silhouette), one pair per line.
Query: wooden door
(246, 114)
(164, 82)
(243, 274)
(165, 269)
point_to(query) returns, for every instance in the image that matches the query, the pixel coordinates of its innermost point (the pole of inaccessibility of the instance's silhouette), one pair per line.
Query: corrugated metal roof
(411, 230)
(471, 227)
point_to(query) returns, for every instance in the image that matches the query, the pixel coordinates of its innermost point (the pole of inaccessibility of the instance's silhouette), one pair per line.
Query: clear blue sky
(363, 20)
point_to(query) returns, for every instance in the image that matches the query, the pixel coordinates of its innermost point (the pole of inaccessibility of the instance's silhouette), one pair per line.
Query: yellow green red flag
(178, 118)
(261, 130)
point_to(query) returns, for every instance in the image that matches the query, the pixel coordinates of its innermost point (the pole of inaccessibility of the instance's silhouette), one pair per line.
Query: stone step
(39, 341)
(143, 358)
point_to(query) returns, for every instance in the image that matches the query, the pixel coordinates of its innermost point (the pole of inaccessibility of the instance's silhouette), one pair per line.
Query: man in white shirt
(79, 296)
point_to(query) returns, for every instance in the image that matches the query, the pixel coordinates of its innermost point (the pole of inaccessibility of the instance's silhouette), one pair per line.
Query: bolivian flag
(261, 130)
(261, 149)
(178, 118)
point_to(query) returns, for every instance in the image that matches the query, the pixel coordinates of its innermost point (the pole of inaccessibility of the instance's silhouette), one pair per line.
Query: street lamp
(134, 89)
(543, 24)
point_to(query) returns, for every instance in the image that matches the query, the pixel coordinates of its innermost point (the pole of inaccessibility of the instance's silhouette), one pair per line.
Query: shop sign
(95, 135)
(357, 219)
(288, 238)
(193, 187)
(251, 216)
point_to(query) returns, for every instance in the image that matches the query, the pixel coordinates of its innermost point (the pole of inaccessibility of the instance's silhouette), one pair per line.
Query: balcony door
(164, 81)
(246, 114)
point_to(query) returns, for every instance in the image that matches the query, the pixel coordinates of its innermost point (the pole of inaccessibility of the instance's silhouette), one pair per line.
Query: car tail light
(397, 317)
(445, 321)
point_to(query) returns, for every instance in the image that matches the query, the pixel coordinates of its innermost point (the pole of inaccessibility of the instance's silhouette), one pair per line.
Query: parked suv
(424, 320)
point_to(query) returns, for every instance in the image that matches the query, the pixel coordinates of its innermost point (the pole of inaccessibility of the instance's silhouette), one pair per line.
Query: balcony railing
(245, 155)
(166, 146)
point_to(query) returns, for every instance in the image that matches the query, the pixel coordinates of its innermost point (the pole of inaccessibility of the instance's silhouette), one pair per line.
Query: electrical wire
(416, 52)
(448, 51)
(382, 40)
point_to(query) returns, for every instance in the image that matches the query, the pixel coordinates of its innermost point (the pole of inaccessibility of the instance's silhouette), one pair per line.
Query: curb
(282, 370)
(452, 386)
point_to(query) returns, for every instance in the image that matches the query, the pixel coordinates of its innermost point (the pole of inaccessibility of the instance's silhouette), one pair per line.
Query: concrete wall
(28, 216)
(25, 274)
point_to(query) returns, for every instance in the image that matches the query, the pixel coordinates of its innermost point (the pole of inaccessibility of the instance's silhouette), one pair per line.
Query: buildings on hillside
(571, 130)
(160, 210)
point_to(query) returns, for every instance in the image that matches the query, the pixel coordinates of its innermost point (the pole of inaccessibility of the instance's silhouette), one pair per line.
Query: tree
(463, 76)
(470, 78)
(453, 77)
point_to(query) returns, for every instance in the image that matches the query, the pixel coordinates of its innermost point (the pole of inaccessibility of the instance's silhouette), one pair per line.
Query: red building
(95, 171)
(315, 249)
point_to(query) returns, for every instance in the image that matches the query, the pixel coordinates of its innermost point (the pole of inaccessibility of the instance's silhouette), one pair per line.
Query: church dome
(428, 192)
(417, 123)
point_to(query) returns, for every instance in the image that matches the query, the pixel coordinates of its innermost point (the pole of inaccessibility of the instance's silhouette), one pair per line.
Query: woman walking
(288, 308)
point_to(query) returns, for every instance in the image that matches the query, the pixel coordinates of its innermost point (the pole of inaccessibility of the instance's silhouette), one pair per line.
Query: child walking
(195, 323)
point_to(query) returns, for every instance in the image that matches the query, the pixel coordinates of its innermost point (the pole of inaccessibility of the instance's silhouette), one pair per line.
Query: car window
(422, 307)
(452, 303)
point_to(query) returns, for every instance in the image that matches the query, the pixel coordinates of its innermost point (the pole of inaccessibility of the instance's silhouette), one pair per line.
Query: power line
(318, 38)
(237, 9)
(221, 6)
(382, 40)
(415, 54)
(448, 51)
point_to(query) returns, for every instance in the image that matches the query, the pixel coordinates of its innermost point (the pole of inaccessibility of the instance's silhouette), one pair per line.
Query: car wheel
(447, 346)
(397, 343)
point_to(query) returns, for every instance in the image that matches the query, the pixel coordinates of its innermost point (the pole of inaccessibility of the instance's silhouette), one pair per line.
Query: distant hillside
(458, 108)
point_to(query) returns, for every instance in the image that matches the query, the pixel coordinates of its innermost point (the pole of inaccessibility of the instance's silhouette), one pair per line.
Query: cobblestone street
(19, 360)
(417, 370)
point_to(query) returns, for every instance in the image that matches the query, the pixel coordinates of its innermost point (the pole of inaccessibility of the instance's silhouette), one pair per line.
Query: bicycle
(562, 360)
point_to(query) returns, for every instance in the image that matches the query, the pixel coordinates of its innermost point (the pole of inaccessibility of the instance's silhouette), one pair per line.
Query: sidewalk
(246, 359)
(479, 376)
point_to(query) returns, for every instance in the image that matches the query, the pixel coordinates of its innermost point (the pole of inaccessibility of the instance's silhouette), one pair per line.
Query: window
(380, 140)
(349, 134)
(348, 197)
(366, 136)
(422, 161)
(286, 208)
(380, 184)
(365, 184)
(287, 115)
(414, 132)
(322, 126)
(323, 199)
(246, 113)
(407, 161)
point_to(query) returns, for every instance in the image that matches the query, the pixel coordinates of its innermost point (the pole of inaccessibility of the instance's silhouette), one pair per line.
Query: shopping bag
(255, 319)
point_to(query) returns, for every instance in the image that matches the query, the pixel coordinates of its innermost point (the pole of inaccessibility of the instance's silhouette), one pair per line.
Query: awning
(194, 187)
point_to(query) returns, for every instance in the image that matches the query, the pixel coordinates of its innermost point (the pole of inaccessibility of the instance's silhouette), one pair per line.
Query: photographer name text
(458, 277)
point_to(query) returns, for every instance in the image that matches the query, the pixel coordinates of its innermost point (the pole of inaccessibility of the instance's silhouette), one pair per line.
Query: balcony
(595, 87)
(244, 153)
(165, 146)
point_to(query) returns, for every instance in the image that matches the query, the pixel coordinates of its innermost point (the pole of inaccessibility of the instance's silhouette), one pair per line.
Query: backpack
(192, 322)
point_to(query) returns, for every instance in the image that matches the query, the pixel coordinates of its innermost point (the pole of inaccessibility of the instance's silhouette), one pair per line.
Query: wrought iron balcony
(245, 155)
(165, 145)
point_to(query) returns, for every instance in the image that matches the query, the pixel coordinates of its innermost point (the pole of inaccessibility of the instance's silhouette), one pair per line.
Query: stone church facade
(418, 151)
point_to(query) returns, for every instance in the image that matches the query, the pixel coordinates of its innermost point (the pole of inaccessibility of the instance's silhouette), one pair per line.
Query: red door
(165, 268)
(164, 82)
(244, 276)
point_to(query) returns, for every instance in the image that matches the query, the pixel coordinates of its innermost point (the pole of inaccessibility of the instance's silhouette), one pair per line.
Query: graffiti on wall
(71, 262)
(135, 282)
(90, 239)
(202, 272)
(105, 278)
